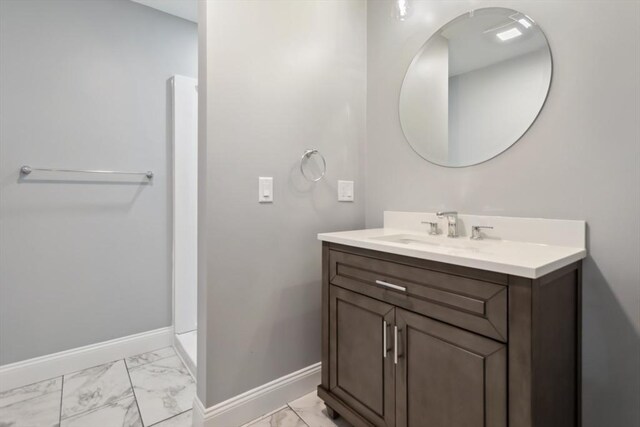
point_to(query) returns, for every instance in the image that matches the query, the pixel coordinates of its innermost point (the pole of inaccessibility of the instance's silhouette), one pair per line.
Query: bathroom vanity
(422, 329)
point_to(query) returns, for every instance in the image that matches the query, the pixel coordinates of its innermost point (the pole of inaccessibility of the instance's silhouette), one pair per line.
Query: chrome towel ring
(306, 157)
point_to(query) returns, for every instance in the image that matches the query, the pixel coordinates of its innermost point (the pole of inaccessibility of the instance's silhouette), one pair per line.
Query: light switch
(345, 191)
(265, 189)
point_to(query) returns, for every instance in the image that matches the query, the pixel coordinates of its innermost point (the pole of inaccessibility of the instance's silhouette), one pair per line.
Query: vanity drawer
(471, 304)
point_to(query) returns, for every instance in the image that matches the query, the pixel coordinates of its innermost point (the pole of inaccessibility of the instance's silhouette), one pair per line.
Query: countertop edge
(497, 267)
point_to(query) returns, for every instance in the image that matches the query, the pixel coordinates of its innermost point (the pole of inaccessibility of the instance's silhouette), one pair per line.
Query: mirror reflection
(475, 87)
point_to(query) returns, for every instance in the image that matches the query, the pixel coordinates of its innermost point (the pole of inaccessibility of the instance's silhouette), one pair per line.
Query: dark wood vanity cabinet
(364, 371)
(447, 376)
(414, 343)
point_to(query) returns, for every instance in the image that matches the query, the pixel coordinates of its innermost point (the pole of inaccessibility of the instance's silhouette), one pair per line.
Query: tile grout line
(28, 385)
(174, 355)
(29, 398)
(62, 381)
(90, 367)
(61, 397)
(153, 361)
(99, 408)
(265, 416)
(133, 391)
(86, 411)
(296, 412)
(171, 417)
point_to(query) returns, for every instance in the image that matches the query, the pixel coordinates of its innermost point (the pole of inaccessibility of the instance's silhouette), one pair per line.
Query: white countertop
(494, 253)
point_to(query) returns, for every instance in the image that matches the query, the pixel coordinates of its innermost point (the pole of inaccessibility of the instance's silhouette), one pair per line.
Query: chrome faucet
(452, 222)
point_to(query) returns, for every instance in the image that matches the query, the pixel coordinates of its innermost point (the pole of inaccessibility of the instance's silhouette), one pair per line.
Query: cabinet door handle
(384, 339)
(395, 345)
(391, 286)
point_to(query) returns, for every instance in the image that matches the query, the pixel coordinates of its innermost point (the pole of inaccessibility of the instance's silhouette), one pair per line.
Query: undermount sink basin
(406, 239)
(409, 239)
(431, 241)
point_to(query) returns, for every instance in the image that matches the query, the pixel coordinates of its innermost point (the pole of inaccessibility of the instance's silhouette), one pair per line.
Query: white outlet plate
(345, 191)
(265, 189)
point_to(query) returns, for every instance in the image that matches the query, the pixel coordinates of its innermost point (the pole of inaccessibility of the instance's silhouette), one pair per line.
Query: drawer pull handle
(391, 286)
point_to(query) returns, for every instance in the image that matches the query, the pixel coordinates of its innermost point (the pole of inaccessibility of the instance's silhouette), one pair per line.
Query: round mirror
(475, 87)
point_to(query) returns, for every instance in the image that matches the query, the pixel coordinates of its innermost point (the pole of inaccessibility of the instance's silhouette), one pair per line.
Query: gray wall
(84, 85)
(292, 78)
(580, 160)
(490, 107)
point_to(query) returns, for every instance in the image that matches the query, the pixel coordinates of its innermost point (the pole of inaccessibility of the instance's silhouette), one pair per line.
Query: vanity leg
(331, 412)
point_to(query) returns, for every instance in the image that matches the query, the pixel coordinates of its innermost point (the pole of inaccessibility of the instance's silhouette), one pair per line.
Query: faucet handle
(475, 231)
(433, 227)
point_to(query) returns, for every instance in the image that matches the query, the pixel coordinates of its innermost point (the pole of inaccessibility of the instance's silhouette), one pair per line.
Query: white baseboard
(53, 365)
(197, 420)
(261, 400)
(184, 356)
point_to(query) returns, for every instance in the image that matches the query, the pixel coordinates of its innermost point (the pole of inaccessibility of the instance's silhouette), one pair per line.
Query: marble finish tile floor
(283, 418)
(313, 412)
(123, 412)
(307, 411)
(37, 404)
(148, 390)
(94, 388)
(163, 389)
(152, 356)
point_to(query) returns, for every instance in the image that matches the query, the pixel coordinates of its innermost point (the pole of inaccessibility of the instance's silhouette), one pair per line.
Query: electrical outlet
(345, 191)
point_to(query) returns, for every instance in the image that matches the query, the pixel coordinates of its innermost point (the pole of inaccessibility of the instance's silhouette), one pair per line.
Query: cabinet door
(448, 377)
(360, 355)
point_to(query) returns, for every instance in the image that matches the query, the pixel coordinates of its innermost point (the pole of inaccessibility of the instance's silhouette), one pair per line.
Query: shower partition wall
(185, 219)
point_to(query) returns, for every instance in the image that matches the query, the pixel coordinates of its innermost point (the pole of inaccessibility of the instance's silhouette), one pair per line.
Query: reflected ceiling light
(524, 23)
(401, 9)
(509, 34)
